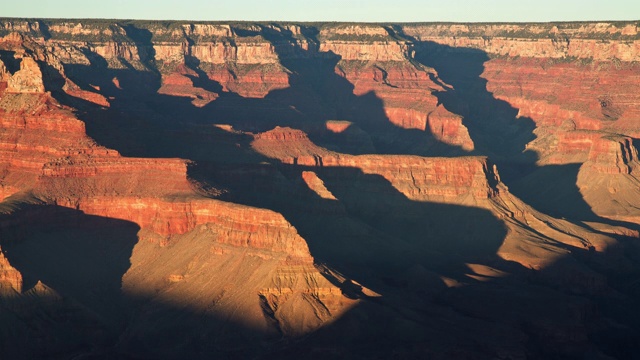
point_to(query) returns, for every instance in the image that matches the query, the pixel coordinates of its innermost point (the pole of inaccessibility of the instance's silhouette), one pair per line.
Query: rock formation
(10, 278)
(174, 189)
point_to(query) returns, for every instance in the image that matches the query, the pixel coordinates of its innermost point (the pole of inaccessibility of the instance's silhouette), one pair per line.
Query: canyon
(319, 190)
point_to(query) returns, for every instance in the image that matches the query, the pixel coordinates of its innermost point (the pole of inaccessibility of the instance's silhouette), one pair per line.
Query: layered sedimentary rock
(282, 180)
(47, 144)
(466, 181)
(372, 60)
(598, 41)
(609, 181)
(47, 155)
(569, 96)
(613, 155)
(419, 178)
(181, 84)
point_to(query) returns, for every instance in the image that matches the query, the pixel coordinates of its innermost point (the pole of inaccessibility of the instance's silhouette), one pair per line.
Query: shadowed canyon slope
(279, 190)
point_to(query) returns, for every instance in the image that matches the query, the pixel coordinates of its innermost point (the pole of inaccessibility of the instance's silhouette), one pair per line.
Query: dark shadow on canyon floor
(370, 224)
(82, 258)
(402, 249)
(72, 266)
(12, 64)
(494, 125)
(73, 306)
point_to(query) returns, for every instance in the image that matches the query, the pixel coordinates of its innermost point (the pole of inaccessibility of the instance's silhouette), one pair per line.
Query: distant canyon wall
(247, 43)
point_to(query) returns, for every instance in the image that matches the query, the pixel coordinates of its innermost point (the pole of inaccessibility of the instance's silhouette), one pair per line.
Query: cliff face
(418, 178)
(613, 155)
(564, 99)
(239, 186)
(608, 180)
(10, 277)
(47, 144)
(247, 60)
(47, 155)
(596, 41)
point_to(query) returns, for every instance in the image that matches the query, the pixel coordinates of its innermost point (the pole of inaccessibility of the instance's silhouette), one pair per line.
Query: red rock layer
(44, 143)
(291, 146)
(246, 80)
(419, 178)
(235, 225)
(565, 97)
(44, 151)
(591, 96)
(609, 179)
(427, 179)
(317, 185)
(613, 155)
(179, 84)
(465, 181)
(406, 94)
(250, 66)
(252, 81)
(34, 132)
(89, 96)
(250, 265)
(151, 193)
(569, 146)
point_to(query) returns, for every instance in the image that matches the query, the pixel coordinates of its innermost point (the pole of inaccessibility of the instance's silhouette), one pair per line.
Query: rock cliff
(47, 155)
(10, 278)
(597, 41)
(608, 180)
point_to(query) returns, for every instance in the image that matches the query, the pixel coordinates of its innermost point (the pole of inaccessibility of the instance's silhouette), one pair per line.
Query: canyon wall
(249, 188)
(596, 41)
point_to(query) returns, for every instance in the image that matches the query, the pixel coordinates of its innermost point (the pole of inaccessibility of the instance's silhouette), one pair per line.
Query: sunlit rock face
(197, 190)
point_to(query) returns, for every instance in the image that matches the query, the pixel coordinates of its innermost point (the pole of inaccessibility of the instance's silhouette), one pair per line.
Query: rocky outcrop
(229, 223)
(9, 276)
(181, 84)
(26, 80)
(613, 155)
(427, 179)
(552, 93)
(568, 114)
(246, 59)
(100, 182)
(291, 146)
(449, 128)
(210, 42)
(406, 92)
(556, 48)
(317, 185)
(609, 180)
(4, 73)
(396, 185)
(252, 81)
(367, 51)
(419, 178)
